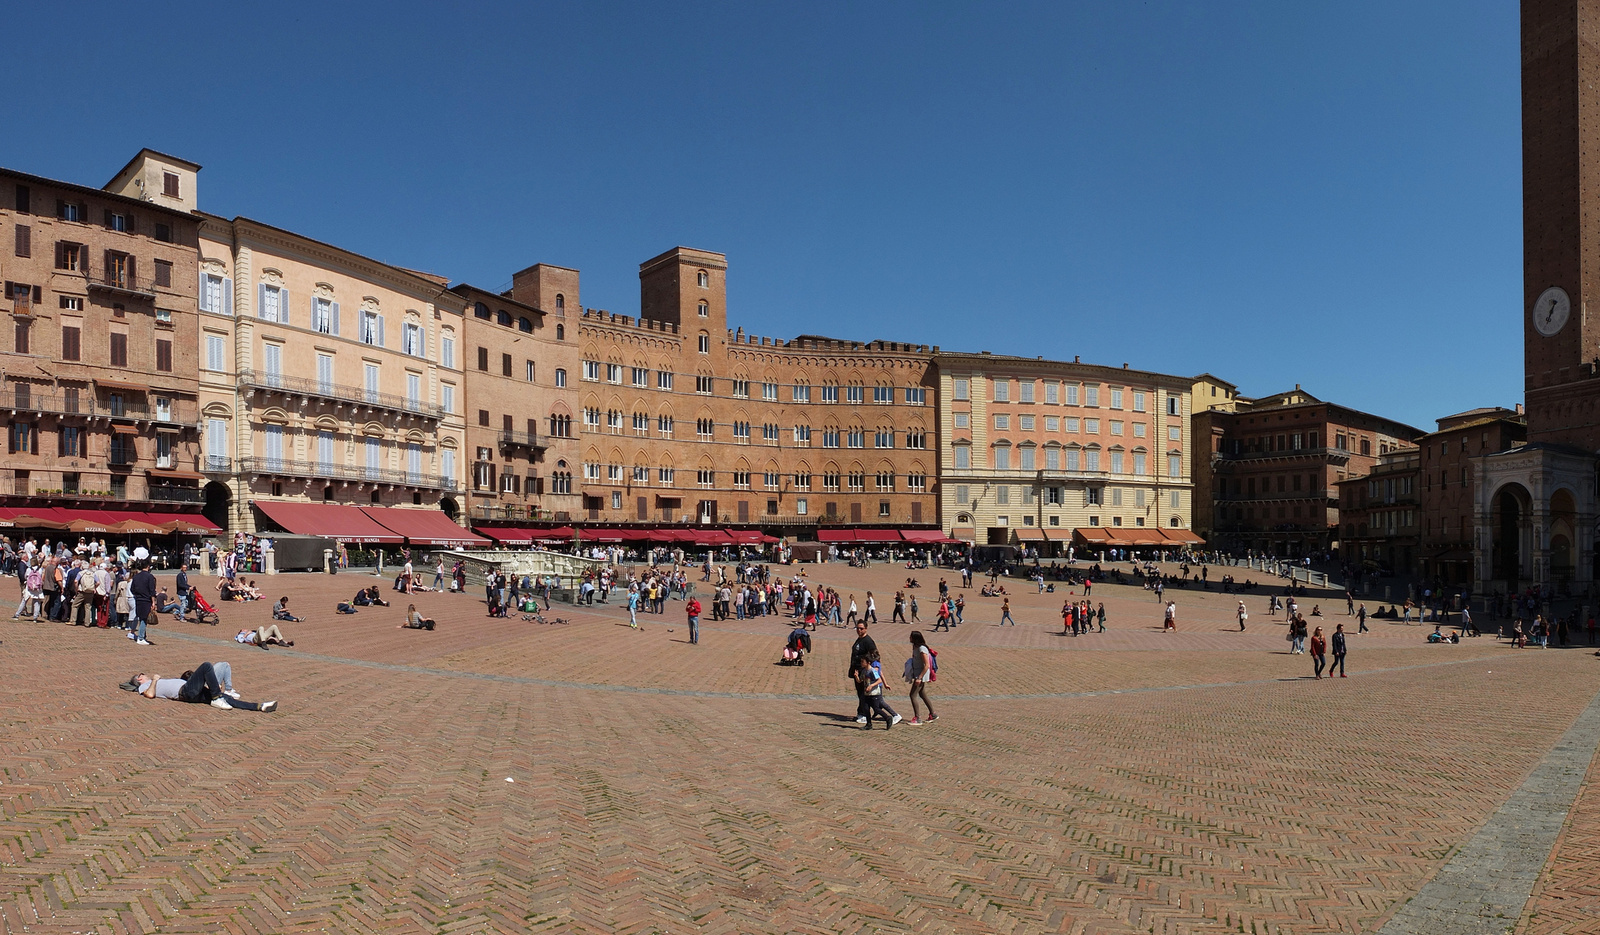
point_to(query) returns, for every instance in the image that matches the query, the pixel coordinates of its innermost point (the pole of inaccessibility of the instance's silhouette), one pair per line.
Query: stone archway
(1511, 535)
(218, 505)
(450, 507)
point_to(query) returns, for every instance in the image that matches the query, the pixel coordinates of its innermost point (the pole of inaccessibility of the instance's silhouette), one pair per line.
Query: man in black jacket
(862, 648)
(1338, 648)
(143, 587)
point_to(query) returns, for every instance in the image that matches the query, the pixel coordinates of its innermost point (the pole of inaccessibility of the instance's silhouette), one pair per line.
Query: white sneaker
(221, 703)
(861, 720)
(231, 693)
(141, 642)
(894, 720)
(132, 635)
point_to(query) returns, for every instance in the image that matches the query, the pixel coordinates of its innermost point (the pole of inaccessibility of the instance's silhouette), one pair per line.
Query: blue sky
(1318, 193)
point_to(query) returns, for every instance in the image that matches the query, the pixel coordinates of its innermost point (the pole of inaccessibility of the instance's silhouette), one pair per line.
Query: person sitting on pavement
(208, 683)
(369, 597)
(415, 620)
(280, 611)
(263, 637)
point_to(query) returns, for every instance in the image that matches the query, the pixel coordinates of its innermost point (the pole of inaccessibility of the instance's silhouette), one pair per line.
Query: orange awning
(119, 385)
(1029, 534)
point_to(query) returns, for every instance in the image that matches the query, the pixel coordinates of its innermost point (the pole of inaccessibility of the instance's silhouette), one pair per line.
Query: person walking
(1100, 614)
(1170, 620)
(850, 618)
(899, 608)
(1338, 651)
(1005, 613)
(1242, 616)
(871, 615)
(960, 605)
(870, 675)
(1068, 612)
(692, 609)
(922, 672)
(633, 605)
(1361, 619)
(863, 649)
(1319, 652)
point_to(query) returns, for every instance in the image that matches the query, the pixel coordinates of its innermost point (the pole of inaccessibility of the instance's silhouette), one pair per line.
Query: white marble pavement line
(1484, 888)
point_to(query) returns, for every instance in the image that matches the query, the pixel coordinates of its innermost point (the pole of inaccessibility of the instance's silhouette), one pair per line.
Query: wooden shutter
(24, 240)
(108, 218)
(283, 306)
(382, 340)
(227, 295)
(336, 318)
(261, 299)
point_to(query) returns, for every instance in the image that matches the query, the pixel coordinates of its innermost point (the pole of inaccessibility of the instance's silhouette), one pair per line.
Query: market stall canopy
(328, 520)
(1029, 534)
(423, 527)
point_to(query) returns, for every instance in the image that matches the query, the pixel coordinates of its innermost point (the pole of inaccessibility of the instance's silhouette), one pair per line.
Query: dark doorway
(219, 504)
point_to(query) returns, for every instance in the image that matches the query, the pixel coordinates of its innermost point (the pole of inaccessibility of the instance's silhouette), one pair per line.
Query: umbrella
(184, 526)
(28, 521)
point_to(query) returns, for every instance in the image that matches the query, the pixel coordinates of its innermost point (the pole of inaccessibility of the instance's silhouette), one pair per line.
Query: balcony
(520, 440)
(88, 407)
(123, 282)
(1333, 455)
(353, 396)
(216, 464)
(175, 495)
(280, 467)
(511, 512)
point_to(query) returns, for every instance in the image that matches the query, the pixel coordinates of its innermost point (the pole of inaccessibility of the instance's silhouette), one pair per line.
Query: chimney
(1519, 409)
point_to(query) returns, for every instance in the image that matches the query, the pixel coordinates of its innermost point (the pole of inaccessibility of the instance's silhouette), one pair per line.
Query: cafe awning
(1182, 537)
(935, 536)
(423, 527)
(124, 387)
(1057, 534)
(328, 520)
(836, 535)
(1029, 534)
(965, 533)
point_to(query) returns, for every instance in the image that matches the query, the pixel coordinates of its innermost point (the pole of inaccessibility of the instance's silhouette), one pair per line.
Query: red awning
(877, 535)
(1058, 535)
(559, 532)
(424, 527)
(505, 534)
(329, 520)
(119, 385)
(599, 535)
(1182, 537)
(175, 475)
(836, 535)
(923, 535)
(124, 430)
(964, 533)
(714, 537)
(746, 536)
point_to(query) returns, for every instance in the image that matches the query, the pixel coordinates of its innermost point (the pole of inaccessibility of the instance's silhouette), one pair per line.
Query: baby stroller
(204, 611)
(794, 651)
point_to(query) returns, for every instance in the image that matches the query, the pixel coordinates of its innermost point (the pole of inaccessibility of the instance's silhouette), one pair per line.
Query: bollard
(269, 561)
(329, 566)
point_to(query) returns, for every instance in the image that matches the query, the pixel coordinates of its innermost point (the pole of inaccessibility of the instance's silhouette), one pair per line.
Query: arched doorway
(1563, 533)
(219, 505)
(1510, 526)
(448, 505)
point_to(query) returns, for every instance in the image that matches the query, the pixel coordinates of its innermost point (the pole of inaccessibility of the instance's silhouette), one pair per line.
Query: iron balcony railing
(346, 394)
(284, 467)
(123, 281)
(520, 439)
(216, 464)
(175, 495)
(88, 406)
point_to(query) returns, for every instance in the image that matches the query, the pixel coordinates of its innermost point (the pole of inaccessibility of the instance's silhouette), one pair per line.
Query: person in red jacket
(693, 610)
(1319, 651)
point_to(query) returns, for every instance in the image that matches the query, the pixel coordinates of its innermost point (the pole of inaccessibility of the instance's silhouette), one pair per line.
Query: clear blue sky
(1279, 193)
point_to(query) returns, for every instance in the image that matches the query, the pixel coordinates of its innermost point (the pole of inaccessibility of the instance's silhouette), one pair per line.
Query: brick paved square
(1132, 781)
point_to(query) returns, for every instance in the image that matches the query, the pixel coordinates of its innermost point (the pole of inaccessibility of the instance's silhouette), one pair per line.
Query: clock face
(1550, 311)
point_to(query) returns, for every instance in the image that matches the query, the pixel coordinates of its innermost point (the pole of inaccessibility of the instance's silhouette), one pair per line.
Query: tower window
(703, 278)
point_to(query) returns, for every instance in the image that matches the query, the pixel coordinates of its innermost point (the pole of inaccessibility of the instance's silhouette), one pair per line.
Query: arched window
(561, 332)
(561, 376)
(704, 279)
(704, 343)
(481, 311)
(502, 317)
(705, 310)
(561, 302)
(524, 324)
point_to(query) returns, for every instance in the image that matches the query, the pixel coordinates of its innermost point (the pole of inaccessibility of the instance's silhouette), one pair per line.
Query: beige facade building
(324, 377)
(1032, 451)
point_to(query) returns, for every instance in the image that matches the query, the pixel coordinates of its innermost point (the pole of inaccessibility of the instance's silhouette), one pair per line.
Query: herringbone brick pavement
(1200, 789)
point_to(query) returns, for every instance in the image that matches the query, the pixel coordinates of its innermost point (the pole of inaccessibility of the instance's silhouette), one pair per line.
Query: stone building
(97, 375)
(1272, 467)
(1039, 453)
(1446, 493)
(326, 377)
(683, 419)
(521, 444)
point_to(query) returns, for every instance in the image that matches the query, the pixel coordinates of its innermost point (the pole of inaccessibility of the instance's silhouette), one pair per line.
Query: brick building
(686, 420)
(1449, 459)
(97, 377)
(1381, 514)
(520, 439)
(1272, 466)
(1033, 452)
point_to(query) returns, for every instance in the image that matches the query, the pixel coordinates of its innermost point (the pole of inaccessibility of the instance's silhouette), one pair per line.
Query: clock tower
(1561, 219)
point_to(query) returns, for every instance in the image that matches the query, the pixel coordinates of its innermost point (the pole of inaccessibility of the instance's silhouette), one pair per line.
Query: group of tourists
(866, 672)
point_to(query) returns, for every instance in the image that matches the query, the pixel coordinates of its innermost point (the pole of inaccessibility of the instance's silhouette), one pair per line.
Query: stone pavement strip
(1482, 889)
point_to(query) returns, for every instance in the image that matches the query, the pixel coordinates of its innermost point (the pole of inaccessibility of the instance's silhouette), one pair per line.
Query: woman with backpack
(923, 668)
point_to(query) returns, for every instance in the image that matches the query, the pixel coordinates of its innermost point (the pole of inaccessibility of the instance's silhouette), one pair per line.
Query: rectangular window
(1052, 392)
(741, 389)
(801, 393)
(1052, 459)
(1116, 426)
(119, 349)
(641, 375)
(1002, 459)
(882, 395)
(164, 355)
(1174, 433)
(961, 420)
(830, 393)
(216, 353)
(963, 458)
(163, 273)
(371, 328)
(23, 330)
(505, 365)
(325, 372)
(1025, 391)
(916, 396)
(853, 395)
(1002, 494)
(1072, 424)
(1116, 399)
(1116, 462)
(1091, 426)
(1091, 396)
(370, 375)
(1025, 458)
(1074, 456)
(1138, 401)
(413, 390)
(704, 385)
(24, 240)
(1052, 423)
(169, 184)
(1025, 423)
(1172, 406)
(1002, 422)
(613, 373)
(1174, 466)
(447, 352)
(1138, 464)
(1001, 390)
(1091, 460)
(769, 392)
(663, 379)
(1072, 394)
